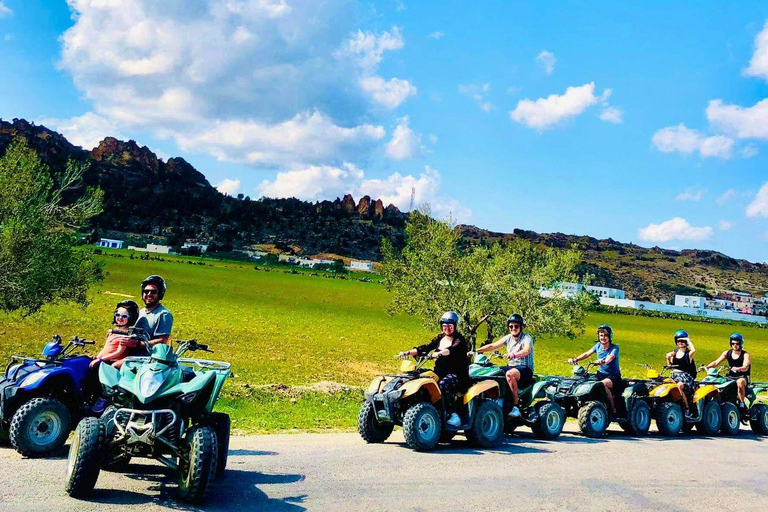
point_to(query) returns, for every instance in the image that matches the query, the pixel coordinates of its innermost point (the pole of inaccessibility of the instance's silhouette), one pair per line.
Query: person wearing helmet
(684, 373)
(449, 349)
(609, 371)
(740, 364)
(519, 371)
(154, 318)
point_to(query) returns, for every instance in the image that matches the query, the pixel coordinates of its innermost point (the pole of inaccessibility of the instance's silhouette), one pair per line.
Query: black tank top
(685, 363)
(737, 362)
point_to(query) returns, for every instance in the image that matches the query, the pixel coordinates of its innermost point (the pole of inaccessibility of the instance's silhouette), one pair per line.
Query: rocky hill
(147, 198)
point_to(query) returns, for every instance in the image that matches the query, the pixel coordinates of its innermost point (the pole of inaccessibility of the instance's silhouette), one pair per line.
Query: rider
(608, 359)
(451, 365)
(519, 371)
(685, 372)
(740, 365)
(155, 319)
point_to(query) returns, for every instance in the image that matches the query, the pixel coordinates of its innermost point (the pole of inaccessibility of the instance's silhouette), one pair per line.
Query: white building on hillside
(690, 301)
(189, 244)
(110, 243)
(361, 266)
(573, 289)
(608, 293)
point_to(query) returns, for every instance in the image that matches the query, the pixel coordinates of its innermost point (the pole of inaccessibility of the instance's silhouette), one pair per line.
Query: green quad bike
(584, 397)
(161, 408)
(755, 414)
(412, 399)
(544, 417)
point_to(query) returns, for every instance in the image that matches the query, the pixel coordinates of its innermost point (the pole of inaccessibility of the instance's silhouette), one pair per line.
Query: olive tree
(437, 272)
(40, 215)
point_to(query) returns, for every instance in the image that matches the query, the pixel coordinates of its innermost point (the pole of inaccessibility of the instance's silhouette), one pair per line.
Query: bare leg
(512, 377)
(681, 387)
(742, 385)
(609, 394)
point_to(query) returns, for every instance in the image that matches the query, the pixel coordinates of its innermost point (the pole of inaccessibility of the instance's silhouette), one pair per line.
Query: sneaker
(514, 413)
(99, 406)
(689, 415)
(454, 420)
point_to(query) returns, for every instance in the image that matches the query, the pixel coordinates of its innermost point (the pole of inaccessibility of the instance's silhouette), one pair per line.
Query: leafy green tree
(40, 215)
(436, 272)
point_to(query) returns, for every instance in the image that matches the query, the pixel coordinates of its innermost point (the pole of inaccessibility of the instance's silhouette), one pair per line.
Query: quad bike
(412, 399)
(666, 404)
(584, 397)
(162, 408)
(544, 417)
(42, 398)
(755, 413)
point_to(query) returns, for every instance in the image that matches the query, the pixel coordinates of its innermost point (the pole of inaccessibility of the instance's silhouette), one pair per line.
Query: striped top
(514, 345)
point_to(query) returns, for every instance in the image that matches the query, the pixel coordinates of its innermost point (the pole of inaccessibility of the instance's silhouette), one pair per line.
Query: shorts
(615, 380)
(687, 380)
(526, 375)
(737, 377)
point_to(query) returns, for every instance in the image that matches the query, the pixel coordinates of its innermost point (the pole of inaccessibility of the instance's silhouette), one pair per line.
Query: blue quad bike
(42, 398)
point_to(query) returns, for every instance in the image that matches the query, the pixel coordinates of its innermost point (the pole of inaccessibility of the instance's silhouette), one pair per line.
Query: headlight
(583, 388)
(150, 383)
(33, 379)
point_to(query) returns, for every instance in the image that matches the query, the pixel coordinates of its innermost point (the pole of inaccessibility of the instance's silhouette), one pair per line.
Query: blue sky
(637, 121)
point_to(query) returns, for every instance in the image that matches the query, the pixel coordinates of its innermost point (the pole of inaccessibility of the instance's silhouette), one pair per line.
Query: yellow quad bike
(413, 400)
(666, 403)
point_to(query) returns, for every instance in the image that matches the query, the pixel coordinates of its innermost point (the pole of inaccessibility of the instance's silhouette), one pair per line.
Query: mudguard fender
(540, 387)
(487, 387)
(414, 386)
(109, 376)
(376, 385)
(44, 376)
(705, 392)
(666, 389)
(634, 390)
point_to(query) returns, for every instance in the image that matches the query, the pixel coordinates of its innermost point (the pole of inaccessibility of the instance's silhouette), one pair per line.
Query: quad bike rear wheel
(593, 419)
(669, 419)
(85, 457)
(487, 429)
(549, 422)
(731, 420)
(222, 425)
(369, 427)
(40, 427)
(422, 426)
(758, 419)
(197, 465)
(711, 420)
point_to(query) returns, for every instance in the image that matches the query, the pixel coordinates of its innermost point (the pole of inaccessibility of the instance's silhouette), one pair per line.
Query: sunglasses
(121, 316)
(735, 344)
(149, 292)
(681, 341)
(514, 326)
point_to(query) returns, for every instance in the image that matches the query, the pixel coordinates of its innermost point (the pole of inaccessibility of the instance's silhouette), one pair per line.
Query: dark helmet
(133, 311)
(449, 317)
(606, 328)
(516, 318)
(738, 337)
(157, 281)
(681, 334)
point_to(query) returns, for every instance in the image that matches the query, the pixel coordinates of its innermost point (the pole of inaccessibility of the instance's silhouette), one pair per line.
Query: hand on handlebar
(572, 360)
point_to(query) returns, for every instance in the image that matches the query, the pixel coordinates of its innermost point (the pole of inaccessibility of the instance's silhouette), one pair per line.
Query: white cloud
(758, 66)
(546, 60)
(405, 142)
(4, 11)
(478, 92)
(612, 115)
(391, 94)
(546, 112)
(229, 187)
(674, 229)
(759, 206)
(741, 122)
(314, 182)
(749, 151)
(727, 196)
(724, 225)
(685, 140)
(86, 131)
(252, 68)
(436, 35)
(690, 195)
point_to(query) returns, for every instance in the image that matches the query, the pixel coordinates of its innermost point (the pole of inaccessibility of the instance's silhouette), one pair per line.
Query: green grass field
(284, 333)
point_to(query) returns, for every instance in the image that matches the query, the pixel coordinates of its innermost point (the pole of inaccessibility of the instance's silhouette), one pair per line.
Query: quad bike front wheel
(731, 420)
(422, 426)
(669, 419)
(549, 422)
(85, 457)
(638, 420)
(369, 427)
(40, 427)
(222, 425)
(758, 419)
(487, 429)
(593, 419)
(197, 465)
(711, 420)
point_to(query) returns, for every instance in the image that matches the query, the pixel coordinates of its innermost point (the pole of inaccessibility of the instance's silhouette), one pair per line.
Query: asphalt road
(339, 472)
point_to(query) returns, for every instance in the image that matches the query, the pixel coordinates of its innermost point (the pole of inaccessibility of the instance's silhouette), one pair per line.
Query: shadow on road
(249, 453)
(463, 447)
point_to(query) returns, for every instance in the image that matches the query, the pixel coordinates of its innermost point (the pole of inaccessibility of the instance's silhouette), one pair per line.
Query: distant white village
(725, 305)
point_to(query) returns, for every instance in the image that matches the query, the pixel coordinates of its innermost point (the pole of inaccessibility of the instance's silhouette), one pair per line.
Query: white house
(361, 266)
(719, 304)
(690, 301)
(607, 293)
(110, 243)
(573, 289)
(191, 244)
